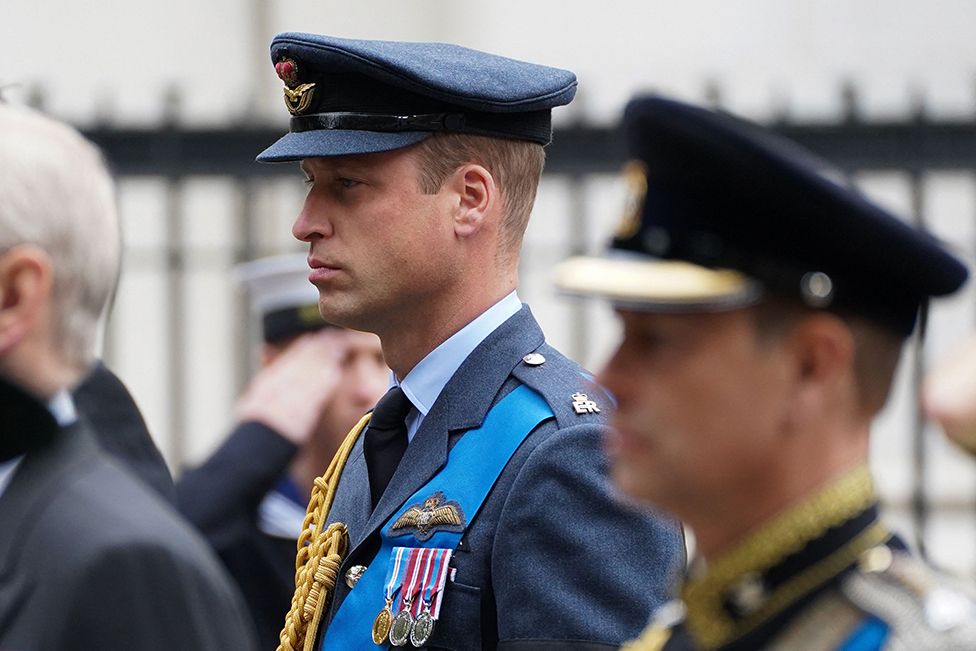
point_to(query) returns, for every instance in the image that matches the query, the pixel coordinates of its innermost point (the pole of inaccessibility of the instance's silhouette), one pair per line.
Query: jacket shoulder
(921, 608)
(570, 390)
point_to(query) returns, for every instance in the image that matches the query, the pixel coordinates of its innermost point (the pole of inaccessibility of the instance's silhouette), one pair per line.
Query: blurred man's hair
(56, 193)
(516, 166)
(876, 348)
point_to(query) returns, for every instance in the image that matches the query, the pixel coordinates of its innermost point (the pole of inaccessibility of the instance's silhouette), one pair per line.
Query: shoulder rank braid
(320, 554)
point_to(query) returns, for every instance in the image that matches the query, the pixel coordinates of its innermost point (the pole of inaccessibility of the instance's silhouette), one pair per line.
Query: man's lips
(321, 270)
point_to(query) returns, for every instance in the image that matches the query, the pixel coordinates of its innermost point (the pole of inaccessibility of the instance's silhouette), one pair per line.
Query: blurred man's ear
(823, 349)
(26, 280)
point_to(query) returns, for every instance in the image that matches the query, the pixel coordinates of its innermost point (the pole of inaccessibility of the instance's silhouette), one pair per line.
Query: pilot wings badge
(436, 514)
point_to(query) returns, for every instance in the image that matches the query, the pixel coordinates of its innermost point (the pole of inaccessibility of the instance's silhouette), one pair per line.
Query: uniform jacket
(825, 576)
(91, 558)
(221, 498)
(552, 560)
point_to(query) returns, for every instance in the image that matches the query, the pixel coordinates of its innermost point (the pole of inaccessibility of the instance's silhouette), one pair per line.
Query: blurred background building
(182, 97)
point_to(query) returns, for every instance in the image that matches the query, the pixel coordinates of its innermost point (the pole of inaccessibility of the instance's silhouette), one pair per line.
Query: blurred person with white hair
(316, 380)
(90, 557)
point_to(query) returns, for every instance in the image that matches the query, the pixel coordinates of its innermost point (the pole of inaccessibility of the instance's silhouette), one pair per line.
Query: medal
(384, 619)
(423, 626)
(435, 576)
(383, 622)
(402, 624)
(412, 580)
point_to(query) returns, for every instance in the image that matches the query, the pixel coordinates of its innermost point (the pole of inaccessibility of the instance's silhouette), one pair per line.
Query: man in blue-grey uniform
(764, 307)
(248, 498)
(474, 504)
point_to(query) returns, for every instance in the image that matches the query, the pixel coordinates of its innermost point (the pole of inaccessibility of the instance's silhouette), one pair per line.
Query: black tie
(386, 440)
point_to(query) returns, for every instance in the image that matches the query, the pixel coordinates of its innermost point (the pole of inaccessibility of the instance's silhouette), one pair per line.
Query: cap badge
(817, 289)
(583, 405)
(635, 178)
(298, 97)
(423, 520)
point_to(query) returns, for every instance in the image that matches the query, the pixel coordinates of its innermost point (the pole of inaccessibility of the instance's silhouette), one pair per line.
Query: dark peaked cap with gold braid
(350, 96)
(724, 212)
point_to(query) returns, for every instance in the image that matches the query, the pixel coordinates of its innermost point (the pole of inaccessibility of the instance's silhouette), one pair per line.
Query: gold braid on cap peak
(320, 554)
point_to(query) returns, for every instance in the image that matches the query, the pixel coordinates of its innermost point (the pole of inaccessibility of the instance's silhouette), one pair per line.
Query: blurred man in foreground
(90, 557)
(316, 380)
(764, 308)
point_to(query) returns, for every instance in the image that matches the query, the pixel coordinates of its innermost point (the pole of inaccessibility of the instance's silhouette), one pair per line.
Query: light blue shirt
(427, 379)
(62, 407)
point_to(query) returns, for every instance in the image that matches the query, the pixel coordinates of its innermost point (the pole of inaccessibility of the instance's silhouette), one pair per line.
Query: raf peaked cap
(350, 96)
(281, 296)
(722, 213)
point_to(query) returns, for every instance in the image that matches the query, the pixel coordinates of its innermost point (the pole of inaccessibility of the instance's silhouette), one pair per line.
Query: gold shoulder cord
(320, 554)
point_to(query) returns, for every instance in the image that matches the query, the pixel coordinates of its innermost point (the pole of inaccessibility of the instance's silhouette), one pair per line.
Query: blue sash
(871, 635)
(488, 449)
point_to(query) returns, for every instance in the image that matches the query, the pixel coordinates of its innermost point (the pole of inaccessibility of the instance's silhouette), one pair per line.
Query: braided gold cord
(320, 554)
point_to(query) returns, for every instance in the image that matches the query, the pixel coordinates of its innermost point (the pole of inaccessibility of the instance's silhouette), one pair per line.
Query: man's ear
(477, 196)
(823, 349)
(26, 280)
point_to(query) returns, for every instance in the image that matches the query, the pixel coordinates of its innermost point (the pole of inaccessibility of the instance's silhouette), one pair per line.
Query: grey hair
(56, 193)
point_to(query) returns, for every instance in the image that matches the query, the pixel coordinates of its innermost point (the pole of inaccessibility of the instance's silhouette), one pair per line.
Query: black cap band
(376, 122)
(535, 126)
(281, 325)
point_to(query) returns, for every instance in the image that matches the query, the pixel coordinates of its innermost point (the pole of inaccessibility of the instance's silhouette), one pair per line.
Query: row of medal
(413, 591)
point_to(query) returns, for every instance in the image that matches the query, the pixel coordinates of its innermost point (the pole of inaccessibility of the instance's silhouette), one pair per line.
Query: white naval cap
(280, 294)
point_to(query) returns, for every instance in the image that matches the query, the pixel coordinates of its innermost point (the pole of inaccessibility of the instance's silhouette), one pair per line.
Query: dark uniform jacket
(825, 576)
(221, 499)
(91, 558)
(552, 560)
(103, 401)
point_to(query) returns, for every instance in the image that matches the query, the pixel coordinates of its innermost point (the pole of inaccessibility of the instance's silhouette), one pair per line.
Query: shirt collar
(62, 407)
(427, 379)
(7, 469)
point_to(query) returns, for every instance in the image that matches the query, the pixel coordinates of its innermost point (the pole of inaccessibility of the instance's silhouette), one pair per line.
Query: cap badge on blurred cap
(583, 405)
(817, 289)
(298, 97)
(635, 177)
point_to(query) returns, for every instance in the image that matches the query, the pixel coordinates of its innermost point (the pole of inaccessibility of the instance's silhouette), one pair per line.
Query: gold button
(534, 359)
(353, 574)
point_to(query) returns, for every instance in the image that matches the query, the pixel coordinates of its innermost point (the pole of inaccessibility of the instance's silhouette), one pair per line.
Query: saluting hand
(289, 394)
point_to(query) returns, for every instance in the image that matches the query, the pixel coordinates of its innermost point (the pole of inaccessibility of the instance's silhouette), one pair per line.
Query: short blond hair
(516, 166)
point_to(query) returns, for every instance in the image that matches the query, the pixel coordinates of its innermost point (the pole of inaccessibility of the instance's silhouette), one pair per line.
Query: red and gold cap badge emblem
(298, 97)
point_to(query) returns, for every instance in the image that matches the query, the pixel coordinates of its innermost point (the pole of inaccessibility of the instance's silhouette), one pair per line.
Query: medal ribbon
(428, 558)
(437, 587)
(411, 579)
(393, 572)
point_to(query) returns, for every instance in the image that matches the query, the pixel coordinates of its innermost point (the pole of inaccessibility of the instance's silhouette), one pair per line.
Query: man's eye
(347, 183)
(309, 180)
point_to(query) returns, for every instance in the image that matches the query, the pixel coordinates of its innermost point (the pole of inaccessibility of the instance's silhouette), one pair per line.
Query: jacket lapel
(40, 474)
(462, 405)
